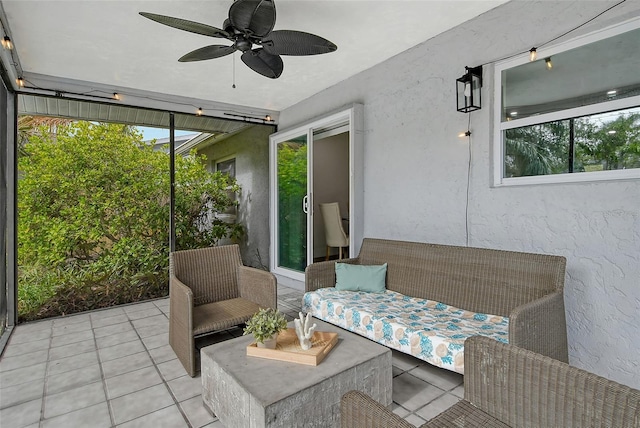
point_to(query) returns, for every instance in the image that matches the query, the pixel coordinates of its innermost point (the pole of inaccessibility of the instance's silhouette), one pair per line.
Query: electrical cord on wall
(466, 208)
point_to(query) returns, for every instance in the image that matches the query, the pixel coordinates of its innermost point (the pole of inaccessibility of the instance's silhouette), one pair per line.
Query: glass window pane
(600, 142)
(608, 141)
(537, 150)
(292, 188)
(590, 74)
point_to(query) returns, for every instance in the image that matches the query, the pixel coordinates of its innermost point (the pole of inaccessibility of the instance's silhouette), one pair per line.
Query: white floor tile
(197, 414)
(72, 349)
(126, 364)
(413, 393)
(127, 383)
(126, 353)
(169, 417)
(76, 378)
(72, 363)
(24, 360)
(96, 416)
(22, 415)
(73, 399)
(185, 387)
(437, 406)
(140, 403)
(121, 350)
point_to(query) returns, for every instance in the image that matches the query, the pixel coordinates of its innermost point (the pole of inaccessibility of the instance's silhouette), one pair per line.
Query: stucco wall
(251, 150)
(416, 175)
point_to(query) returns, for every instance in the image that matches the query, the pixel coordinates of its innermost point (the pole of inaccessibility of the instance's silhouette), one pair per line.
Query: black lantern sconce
(468, 90)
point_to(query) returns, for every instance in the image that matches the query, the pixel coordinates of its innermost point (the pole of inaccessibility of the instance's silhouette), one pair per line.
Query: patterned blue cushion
(429, 330)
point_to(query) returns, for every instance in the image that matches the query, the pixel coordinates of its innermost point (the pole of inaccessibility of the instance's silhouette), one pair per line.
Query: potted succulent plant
(265, 325)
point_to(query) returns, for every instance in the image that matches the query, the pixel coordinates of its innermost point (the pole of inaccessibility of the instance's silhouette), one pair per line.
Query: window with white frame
(572, 115)
(227, 166)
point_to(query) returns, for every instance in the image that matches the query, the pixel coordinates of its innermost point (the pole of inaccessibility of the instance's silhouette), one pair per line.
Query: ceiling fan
(250, 23)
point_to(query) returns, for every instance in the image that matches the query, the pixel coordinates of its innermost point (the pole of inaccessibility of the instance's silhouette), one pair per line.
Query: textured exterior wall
(251, 150)
(416, 175)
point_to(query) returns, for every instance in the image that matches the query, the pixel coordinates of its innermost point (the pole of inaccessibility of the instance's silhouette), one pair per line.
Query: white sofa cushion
(429, 330)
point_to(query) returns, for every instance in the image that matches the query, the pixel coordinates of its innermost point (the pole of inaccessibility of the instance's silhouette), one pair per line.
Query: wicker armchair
(507, 386)
(210, 290)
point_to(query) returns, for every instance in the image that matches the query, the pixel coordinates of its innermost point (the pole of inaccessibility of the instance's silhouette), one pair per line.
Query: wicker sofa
(507, 386)
(522, 291)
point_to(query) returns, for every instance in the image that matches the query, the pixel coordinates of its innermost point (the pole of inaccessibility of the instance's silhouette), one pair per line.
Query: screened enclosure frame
(13, 104)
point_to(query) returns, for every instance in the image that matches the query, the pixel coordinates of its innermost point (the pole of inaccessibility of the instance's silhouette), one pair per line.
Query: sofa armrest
(323, 274)
(258, 286)
(540, 326)
(181, 323)
(358, 410)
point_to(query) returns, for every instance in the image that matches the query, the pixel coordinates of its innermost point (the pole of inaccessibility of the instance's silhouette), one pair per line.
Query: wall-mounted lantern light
(468, 90)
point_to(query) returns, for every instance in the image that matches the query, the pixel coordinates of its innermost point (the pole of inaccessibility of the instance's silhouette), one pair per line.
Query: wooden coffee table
(248, 392)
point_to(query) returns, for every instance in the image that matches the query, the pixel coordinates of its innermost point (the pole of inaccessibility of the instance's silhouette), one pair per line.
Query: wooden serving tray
(288, 348)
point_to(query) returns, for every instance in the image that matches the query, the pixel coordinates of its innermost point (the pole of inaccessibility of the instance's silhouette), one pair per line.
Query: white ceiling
(109, 43)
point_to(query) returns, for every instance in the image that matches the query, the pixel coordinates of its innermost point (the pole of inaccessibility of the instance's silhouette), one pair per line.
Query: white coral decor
(304, 330)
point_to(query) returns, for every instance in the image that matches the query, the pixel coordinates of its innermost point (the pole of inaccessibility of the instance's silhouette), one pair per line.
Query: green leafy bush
(93, 229)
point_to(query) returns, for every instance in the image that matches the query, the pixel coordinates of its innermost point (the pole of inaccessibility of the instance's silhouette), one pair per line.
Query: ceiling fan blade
(289, 42)
(253, 17)
(208, 52)
(183, 24)
(263, 63)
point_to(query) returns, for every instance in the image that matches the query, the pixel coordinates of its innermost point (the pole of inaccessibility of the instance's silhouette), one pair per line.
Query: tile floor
(114, 368)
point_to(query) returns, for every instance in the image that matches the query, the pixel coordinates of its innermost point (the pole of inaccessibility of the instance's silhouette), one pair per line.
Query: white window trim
(215, 162)
(499, 126)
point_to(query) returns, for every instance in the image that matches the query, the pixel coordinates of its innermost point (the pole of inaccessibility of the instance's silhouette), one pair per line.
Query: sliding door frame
(353, 118)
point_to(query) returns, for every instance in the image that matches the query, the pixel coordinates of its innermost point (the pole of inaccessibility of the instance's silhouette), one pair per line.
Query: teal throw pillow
(361, 278)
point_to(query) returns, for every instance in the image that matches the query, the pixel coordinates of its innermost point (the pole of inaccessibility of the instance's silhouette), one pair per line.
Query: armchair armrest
(358, 410)
(258, 286)
(181, 323)
(540, 326)
(524, 389)
(323, 274)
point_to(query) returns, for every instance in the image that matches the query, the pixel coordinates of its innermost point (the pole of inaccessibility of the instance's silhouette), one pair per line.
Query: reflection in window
(576, 79)
(599, 142)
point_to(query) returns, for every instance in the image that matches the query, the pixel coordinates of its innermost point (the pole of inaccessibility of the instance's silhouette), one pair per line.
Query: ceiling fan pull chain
(234, 71)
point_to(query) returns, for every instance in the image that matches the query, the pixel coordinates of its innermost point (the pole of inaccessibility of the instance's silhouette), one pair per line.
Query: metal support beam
(172, 180)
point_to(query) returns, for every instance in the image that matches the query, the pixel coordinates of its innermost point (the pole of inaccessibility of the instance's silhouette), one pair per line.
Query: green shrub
(93, 229)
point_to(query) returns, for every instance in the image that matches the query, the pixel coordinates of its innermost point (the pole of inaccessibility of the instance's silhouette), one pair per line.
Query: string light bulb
(464, 134)
(549, 63)
(116, 96)
(20, 82)
(267, 118)
(6, 43)
(199, 112)
(533, 54)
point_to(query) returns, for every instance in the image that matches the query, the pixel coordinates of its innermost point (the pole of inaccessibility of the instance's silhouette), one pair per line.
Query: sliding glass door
(336, 142)
(292, 202)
